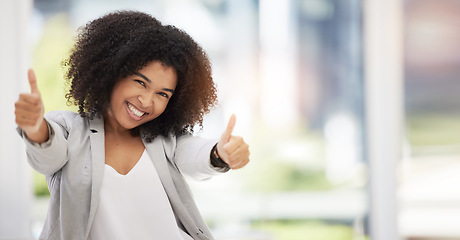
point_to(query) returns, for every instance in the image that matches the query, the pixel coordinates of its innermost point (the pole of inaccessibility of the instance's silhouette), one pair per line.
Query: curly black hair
(119, 44)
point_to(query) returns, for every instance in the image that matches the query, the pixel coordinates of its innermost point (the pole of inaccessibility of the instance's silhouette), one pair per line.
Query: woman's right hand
(29, 112)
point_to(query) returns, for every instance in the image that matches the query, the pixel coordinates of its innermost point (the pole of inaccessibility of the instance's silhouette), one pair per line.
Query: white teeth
(136, 112)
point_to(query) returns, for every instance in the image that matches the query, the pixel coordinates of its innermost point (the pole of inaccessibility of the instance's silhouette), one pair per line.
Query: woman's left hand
(232, 149)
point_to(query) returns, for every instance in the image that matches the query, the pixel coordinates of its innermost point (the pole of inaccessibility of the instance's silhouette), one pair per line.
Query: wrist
(40, 135)
(217, 161)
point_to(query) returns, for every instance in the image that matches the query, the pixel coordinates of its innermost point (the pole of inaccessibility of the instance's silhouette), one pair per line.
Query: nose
(146, 99)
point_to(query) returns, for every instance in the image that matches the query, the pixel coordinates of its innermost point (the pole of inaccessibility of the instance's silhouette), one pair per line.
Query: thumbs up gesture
(232, 149)
(29, 112)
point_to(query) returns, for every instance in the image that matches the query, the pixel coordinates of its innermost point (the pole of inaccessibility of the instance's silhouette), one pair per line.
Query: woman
(115, 170)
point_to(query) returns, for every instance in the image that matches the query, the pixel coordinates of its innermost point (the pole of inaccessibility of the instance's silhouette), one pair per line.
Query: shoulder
(171, 142)
(58, 115)
(191, 144)
(176, 141)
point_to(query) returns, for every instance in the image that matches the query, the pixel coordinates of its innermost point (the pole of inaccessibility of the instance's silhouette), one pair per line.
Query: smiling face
(141, 97)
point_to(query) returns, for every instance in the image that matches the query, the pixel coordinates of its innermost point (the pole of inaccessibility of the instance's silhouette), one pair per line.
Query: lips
(136, 113)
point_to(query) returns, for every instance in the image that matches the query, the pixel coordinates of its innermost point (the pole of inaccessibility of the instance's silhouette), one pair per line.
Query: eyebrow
(149, 81)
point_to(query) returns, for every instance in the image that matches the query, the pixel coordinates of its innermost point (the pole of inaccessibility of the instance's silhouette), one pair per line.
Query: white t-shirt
(134, 206)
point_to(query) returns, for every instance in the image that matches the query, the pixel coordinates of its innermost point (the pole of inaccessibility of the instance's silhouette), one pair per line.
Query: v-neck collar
(160, 151)
(141, 158)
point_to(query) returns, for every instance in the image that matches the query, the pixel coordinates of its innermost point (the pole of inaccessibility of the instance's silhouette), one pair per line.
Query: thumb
(230, 126)
(32, 81)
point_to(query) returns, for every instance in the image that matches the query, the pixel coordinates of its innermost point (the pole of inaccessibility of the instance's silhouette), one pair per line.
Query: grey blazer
(73, 162)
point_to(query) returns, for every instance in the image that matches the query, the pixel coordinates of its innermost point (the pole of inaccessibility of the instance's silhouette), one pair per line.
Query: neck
(112, 127)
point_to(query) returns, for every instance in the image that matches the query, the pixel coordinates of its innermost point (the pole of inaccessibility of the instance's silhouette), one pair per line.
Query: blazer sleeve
(50, 156)
(192, 157)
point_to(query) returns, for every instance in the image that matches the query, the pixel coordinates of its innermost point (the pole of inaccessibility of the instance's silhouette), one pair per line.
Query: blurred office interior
(350, 108)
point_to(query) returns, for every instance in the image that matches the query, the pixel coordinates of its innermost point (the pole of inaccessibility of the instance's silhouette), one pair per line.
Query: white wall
(15, 182)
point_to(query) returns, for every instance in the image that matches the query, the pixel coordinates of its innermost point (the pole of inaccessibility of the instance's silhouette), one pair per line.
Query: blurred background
(311, 94)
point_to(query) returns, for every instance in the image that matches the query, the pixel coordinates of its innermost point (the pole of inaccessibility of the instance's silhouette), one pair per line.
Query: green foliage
(279, 176)
(305, 230)
(433, 129)
(287, 159)
(48, 54)
(52, 49)
(40, 186)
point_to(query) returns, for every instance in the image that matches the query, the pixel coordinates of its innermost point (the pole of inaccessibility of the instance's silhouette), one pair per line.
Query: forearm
(193, 158)
(49, 156)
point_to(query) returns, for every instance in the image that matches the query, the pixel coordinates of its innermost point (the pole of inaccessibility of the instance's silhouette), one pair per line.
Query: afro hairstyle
(118, 45)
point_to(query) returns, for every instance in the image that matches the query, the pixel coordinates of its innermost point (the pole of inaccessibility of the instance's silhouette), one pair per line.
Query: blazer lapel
(98, 163)
(157, 154)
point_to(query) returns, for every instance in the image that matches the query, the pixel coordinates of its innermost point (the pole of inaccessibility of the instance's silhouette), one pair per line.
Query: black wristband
(216, 161)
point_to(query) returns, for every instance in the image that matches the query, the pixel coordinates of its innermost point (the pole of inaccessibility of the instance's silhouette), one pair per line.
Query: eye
(140, 82)
(163, 94)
